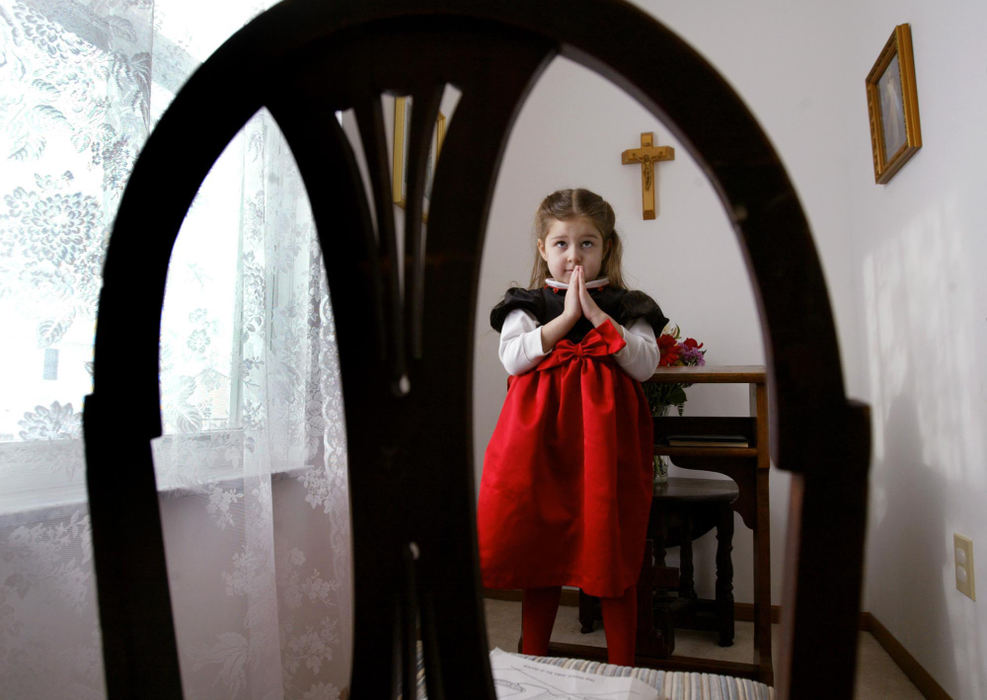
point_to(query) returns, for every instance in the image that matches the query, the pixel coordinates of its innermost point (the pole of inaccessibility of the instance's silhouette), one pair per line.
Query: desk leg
(762, 582)
(724, 575)
(687, 584)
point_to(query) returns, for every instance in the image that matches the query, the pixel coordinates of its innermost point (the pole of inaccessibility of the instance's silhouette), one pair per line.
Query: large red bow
(602, 341)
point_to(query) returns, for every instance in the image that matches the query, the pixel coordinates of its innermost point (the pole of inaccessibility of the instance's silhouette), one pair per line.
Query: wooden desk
(748, 467)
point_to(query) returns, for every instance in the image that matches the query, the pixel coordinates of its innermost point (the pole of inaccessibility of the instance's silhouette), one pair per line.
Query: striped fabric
(671, 685)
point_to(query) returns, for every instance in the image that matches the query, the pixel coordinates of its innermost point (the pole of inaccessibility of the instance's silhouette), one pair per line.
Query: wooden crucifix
(647, 155)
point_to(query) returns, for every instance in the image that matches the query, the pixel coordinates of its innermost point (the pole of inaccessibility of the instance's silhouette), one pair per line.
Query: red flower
(669, 350)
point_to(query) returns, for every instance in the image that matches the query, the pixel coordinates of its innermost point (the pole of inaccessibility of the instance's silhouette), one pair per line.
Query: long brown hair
(563, 205)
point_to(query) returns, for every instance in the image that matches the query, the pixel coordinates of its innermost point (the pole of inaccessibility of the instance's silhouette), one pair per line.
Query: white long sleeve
(639, 357)
(520, 346)
(520, 342)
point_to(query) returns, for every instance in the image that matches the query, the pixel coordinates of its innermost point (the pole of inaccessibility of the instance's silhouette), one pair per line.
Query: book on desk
(707, 441)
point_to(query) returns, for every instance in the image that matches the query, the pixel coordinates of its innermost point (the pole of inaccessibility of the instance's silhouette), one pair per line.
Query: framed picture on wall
(892, 103)
(402, 134)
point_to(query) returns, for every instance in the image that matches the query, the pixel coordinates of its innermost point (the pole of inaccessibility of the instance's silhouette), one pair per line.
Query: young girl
(566, 486)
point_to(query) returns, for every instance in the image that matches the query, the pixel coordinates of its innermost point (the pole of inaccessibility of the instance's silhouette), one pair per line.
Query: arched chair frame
(407, 395)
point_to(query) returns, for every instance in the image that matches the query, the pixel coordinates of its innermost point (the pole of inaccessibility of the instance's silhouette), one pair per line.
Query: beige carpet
(877, 675)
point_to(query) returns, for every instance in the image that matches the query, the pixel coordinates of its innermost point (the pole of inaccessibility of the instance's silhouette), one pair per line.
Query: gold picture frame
(892, 105)
(402, 130)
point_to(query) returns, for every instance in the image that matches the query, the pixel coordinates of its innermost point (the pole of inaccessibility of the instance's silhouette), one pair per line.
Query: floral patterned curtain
(251, 468)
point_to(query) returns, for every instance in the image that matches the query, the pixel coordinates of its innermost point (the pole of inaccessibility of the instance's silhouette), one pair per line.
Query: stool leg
(687, 580)
(588, 608)
(655, 635)
(724, 576)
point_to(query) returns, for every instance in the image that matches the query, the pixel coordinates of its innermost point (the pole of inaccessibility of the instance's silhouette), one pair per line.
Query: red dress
(567, 479)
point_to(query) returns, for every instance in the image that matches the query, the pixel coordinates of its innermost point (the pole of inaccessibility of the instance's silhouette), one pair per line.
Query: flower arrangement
(673, 353)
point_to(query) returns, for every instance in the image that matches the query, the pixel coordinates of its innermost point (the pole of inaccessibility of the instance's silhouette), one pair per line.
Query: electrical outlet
(963, 553)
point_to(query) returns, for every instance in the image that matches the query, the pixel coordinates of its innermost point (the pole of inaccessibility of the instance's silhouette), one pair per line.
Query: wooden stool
(682, 510)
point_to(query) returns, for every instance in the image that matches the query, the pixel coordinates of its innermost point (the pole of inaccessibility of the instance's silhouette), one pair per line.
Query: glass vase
(660, 464)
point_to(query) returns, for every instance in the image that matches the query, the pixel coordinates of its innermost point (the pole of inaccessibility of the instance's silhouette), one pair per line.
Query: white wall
(919, 245)
(900, 261)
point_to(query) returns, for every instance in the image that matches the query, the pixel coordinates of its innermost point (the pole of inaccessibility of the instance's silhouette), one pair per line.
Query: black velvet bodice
(545, 304)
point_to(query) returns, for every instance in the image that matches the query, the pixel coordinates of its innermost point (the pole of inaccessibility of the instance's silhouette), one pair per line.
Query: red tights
(538, 608)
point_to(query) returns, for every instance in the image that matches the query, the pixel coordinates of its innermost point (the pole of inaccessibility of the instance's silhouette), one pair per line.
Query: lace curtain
(251, 468)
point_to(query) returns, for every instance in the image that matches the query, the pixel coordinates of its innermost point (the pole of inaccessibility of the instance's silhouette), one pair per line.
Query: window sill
(45, 480)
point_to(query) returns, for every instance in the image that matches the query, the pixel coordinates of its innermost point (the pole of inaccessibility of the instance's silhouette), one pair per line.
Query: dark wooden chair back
(407, 393)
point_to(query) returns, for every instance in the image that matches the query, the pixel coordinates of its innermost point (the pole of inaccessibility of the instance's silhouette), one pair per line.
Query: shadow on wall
(928, 441)
(907, 552)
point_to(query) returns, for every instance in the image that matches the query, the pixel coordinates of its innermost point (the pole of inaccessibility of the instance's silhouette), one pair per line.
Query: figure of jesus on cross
(647, 155)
